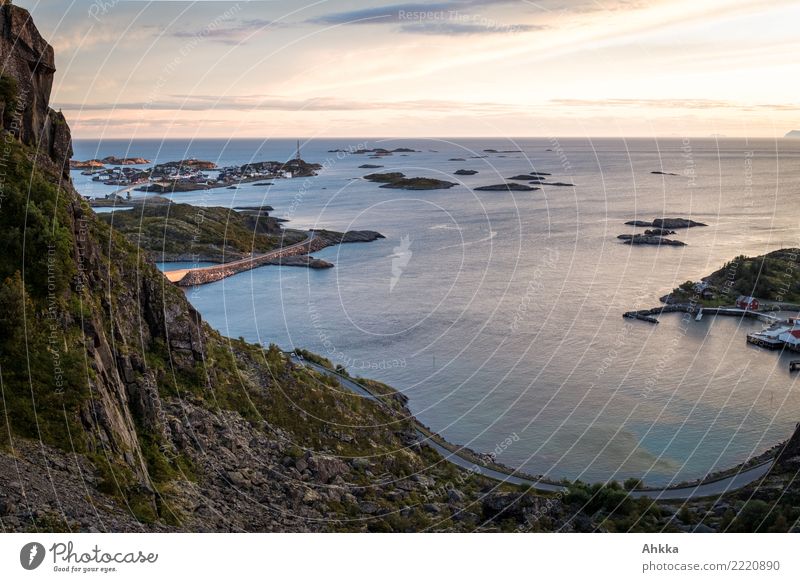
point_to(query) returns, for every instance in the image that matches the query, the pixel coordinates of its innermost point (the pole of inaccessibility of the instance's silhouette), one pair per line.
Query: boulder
(326, 468)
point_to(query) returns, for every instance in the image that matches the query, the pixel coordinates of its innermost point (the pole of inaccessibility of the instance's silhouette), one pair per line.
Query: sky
(446, 68)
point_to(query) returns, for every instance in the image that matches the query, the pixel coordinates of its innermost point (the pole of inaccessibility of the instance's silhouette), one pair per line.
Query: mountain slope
(123, 411)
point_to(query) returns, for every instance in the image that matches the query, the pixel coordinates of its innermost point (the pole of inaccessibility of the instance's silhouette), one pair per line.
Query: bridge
(203, 275)
(130, 188)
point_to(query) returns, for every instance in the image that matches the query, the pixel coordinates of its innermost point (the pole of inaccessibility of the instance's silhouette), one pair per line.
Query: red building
(746, 302)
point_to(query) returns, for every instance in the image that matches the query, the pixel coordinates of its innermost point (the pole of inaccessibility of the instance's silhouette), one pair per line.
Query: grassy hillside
(172, 232)
(105, 366)
(771, 277)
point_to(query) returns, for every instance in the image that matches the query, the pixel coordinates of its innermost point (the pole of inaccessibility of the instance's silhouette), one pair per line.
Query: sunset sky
(465, 68)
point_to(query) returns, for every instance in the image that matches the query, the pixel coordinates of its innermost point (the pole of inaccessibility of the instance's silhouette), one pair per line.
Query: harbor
(779, 334)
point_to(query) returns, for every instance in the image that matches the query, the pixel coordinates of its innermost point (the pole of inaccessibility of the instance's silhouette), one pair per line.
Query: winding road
(712, 488)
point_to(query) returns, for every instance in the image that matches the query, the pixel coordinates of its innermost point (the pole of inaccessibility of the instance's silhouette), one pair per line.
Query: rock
(360, 463)
(398, 180)
(302, 261)
(311, 496)
(672, 223)
(454, 495)
(423, 480)
(29, 60)
(456, 160)
(791, 448)
(640, 239)
(237, 479)
(115, 161)
(659, 232)
(553, 183)
(432, 508)
(639, 223)
(368, 507)
(369, 166)
(465, 172)
(504, 505)
(665, 173)
(530, 176)
(326, 468)
(87, 165)
(510, 187)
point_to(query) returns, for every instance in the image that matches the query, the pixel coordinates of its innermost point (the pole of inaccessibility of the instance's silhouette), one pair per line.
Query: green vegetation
(612, 508)
(9, 93)
(44, 381)
(771, 277)
(171, 231)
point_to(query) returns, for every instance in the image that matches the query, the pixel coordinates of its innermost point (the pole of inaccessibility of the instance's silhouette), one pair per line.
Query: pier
(649, 315)
(203, 275)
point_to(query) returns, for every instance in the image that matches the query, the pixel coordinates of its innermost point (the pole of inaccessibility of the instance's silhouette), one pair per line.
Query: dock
(649, 315)
(763, 341)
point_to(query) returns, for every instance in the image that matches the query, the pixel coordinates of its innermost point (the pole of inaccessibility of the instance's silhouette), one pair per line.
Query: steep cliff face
(122, 411)
(28, 60)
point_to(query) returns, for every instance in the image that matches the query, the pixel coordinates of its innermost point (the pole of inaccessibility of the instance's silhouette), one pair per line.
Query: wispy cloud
(277, 103)
(452, 28)
(452, 18)
(234, 33)
(675, 104)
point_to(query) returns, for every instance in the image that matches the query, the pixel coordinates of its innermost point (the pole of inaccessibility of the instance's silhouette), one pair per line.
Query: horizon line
(442, 137)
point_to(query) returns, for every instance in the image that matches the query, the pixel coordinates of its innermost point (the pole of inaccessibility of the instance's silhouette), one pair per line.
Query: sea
(499, 314)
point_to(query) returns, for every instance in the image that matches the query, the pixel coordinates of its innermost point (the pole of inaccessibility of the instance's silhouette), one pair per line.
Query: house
(791, 338)
(747, 302)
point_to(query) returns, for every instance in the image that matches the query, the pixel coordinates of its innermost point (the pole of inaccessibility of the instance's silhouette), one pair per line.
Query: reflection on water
(506, 317)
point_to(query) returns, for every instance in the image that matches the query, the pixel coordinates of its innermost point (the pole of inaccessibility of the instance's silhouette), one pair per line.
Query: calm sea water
(499, 313)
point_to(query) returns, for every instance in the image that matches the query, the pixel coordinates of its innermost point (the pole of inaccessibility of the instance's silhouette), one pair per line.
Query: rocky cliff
(28, 66)
(123, 411)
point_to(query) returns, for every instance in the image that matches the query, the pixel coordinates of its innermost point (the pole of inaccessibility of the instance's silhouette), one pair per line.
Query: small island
(465, 172)
(398, 180)
(107, 161)
(657, 231)
(509, 187)
(669, 223)
(530, 176)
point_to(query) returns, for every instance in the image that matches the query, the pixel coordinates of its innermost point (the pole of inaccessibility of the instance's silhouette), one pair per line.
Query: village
(192, 174)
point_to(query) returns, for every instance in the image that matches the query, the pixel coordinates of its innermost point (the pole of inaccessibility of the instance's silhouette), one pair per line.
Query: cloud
(394, 13)
(277, 103)
(468, 28)
(232, 34)
(456, 10)
(675, 104)
(453, 18)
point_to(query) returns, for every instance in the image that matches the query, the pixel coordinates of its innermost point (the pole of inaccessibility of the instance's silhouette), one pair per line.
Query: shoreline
(550, 485)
